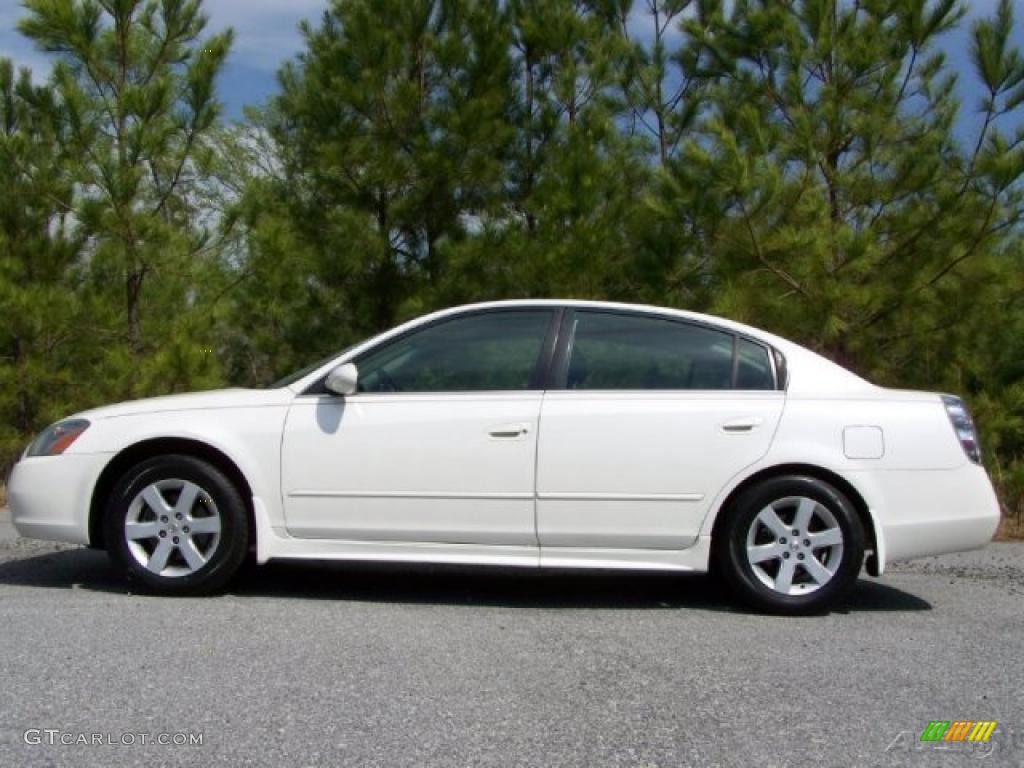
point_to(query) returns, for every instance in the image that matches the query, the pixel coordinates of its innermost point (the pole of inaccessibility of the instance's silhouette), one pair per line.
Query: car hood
(191, 401)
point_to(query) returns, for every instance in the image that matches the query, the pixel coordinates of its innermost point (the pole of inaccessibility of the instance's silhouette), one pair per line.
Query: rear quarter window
(753, 366)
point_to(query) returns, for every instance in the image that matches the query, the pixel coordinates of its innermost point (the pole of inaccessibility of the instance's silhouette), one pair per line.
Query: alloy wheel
(794, 545)
(172, 527)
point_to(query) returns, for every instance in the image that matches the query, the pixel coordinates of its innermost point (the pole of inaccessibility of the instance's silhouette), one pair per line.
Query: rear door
(652, 418)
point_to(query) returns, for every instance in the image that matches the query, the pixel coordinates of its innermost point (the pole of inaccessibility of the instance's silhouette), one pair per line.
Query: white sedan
(527, 433)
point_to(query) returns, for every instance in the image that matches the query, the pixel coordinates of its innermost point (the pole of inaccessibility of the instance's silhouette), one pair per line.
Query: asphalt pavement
(359, 665)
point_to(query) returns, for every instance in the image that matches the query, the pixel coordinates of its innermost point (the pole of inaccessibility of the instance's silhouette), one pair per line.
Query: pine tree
(574, 178)
(135, 81)
(854, 219)
(391, 135)
(39, 250)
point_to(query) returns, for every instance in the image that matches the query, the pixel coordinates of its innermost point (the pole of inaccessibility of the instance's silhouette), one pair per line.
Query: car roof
(699, 317)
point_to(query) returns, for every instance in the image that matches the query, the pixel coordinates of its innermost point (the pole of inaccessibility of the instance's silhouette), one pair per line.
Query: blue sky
(266, 35)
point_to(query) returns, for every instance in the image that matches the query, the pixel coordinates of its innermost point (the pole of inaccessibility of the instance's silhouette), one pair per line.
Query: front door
(439, 443)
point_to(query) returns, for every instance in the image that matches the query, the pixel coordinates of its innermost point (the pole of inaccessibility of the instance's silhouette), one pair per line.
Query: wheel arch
(162, 446)
(841, 484)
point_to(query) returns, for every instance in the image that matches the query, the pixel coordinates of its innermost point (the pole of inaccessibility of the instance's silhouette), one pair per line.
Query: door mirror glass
(343, 379)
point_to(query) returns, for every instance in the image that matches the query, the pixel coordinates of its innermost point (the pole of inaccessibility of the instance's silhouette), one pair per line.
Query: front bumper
(49, 496)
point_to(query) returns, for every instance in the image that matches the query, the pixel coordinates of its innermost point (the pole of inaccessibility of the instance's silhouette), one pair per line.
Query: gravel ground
(324, 664)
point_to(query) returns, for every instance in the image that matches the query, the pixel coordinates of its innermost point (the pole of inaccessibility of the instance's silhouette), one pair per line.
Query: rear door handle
(745, 424)
(508, 431)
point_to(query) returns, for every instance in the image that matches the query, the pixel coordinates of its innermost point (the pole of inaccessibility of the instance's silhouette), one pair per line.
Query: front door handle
(508, 431)
(745, 424)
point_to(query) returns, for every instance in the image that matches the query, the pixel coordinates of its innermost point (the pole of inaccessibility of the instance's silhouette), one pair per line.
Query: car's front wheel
(177, 525)
(791, 545)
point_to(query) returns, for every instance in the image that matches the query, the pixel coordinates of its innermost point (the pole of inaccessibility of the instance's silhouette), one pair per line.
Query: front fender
(249, 437)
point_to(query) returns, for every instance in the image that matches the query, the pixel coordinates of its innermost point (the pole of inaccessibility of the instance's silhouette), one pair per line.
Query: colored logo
(958, 730)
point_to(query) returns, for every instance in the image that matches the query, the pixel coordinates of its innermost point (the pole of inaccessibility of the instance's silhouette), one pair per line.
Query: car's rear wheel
(791, 545)
(177, 525)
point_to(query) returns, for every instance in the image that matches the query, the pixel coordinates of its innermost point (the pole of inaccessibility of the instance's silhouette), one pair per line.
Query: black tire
(748, 582)
(225, 553)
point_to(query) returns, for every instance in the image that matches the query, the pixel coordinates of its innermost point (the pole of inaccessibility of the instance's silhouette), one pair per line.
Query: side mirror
(343, 379)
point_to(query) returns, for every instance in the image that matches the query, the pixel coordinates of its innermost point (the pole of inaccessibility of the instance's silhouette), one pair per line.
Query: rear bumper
(922, 513)
(49, 496)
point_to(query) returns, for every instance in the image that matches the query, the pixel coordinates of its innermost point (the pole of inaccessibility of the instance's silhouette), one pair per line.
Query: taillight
(964, 427)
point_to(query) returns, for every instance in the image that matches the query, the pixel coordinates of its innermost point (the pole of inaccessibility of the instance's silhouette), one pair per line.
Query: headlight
(56, 438)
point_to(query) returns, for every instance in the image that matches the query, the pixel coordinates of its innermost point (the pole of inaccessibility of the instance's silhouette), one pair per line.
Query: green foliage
(805, 166)
(135, 84)
(104, 249)
(38, 253)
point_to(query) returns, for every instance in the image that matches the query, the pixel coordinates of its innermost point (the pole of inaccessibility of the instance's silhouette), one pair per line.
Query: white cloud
(12, 45)
(20, 50)
(266, 31)
(10, 12)
(641, 24)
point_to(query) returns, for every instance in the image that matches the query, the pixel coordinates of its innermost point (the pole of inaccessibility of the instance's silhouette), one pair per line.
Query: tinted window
(484, 351)
(753, 369)
(614, 351)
